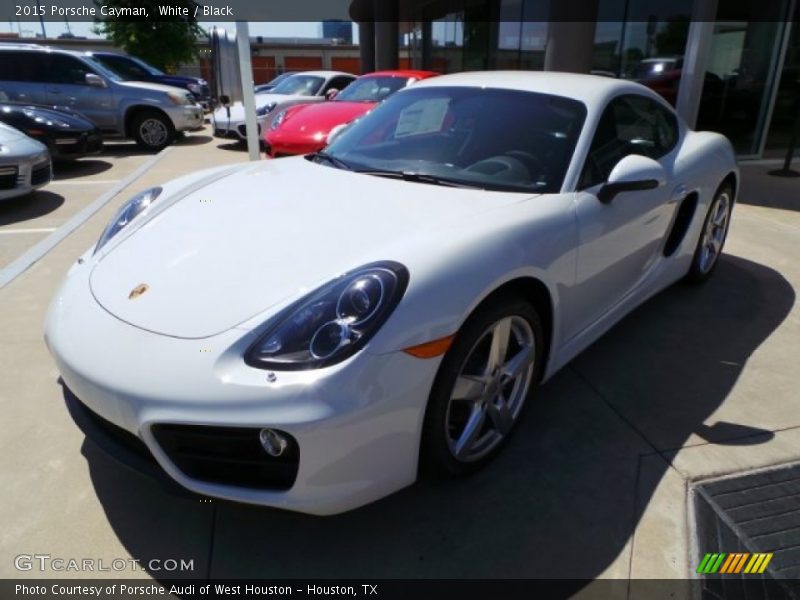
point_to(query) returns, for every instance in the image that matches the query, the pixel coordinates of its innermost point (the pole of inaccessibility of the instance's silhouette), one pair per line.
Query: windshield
(101, 68)
(146, 66)
(495, 139)
(300, 85)
(371, 89)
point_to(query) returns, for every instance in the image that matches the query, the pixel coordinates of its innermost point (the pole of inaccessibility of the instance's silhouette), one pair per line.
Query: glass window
(67, 70)
(371, 89)
(338, 83)
(629, 125)
(495, 139)
(740, 76)
(300, 85)
(22, 66)
(124, 67)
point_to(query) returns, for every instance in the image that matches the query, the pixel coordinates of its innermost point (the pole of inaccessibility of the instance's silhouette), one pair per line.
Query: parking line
(38, 230)
(29, 258)
(79, 182)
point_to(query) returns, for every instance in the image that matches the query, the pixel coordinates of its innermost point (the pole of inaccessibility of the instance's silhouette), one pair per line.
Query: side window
(67, 69)
(629, 125)
(126, 68)
(338, 83)
(21, 66)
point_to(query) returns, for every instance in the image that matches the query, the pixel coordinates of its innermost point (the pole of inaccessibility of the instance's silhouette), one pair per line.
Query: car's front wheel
(482, 386)
(712, 237)
(153, 131)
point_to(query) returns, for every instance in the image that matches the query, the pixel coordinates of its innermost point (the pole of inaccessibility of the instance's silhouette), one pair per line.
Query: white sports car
(310, 333)
(24, 163)
(298, 88)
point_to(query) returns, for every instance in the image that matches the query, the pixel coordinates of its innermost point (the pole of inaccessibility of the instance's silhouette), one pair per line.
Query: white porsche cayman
(310, 332)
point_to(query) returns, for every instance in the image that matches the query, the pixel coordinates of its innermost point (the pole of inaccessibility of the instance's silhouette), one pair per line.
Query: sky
(84, 28)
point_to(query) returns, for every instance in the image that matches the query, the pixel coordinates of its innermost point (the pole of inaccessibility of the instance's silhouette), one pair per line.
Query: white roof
(590, 89)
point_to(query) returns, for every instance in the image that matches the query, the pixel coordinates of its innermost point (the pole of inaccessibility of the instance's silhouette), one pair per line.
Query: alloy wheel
(490, 390)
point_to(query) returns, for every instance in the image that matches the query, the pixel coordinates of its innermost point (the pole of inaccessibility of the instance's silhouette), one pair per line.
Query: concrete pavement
(698, 382)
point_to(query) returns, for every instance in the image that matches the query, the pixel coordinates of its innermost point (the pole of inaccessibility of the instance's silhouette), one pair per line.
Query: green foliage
(164, 42)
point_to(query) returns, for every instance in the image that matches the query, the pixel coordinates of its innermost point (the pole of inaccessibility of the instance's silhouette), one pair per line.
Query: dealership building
(727, 65)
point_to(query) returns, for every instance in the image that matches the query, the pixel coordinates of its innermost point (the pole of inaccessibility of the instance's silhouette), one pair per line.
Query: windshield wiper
(421, 178)
(336, 162)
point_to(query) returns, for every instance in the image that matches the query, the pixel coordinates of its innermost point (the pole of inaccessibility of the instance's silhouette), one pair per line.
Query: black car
(67, 135)
(131, 68)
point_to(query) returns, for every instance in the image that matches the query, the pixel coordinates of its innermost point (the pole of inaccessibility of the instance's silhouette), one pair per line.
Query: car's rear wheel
(153, 131)
(713, 235)
(482, 386)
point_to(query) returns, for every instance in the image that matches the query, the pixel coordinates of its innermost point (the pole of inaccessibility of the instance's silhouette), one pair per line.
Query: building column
(387, 35)
(698, 47)
(366, 45)
(570, 44)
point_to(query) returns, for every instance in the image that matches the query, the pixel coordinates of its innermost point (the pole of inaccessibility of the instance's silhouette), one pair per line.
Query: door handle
(679, 193)
(52, 91)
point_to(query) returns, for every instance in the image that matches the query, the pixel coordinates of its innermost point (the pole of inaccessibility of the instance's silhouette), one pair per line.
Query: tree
(162, 41)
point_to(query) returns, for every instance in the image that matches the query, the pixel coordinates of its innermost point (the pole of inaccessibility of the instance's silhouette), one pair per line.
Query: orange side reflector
(431, 349)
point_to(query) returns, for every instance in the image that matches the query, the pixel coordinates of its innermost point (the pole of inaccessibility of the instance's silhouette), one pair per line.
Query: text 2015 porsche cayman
(308, 333)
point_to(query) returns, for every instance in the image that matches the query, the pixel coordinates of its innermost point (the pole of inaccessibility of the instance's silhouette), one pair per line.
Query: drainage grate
(751, 515)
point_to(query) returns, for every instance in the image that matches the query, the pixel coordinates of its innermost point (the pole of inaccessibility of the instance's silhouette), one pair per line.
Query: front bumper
(76, 145)
(23, 175)
(357, 424)
(186, 117)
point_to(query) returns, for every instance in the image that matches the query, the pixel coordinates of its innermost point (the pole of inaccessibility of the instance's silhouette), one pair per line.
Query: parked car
(67, 135)
(150, 113)
(298, 88)
(265, 87)
(649, 68)
(24, 163)
(131, 68)
(326, 326)
(304, 128)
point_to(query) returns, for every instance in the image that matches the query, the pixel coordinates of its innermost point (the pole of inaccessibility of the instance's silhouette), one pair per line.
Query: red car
(304, 128)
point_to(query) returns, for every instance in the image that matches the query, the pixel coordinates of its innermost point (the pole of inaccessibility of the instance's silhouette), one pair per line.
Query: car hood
(155, 87)
(46, 117)
(321, 118)
(253, 240)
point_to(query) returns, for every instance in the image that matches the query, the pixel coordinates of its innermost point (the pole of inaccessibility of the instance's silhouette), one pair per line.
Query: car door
(620, 242)
(67, 86)
(22, 76)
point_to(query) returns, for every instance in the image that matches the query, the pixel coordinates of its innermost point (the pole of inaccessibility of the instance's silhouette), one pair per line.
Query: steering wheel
(534, 164)
(502, 168)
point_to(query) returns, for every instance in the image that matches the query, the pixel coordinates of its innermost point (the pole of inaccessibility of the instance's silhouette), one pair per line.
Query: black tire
(436, 457)
(700, 270)
(152, 130)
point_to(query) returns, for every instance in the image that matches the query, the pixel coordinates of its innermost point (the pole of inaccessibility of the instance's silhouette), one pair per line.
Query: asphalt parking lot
(697, 383)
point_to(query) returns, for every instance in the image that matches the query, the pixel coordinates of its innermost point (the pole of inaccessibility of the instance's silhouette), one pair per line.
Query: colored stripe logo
(734, 562)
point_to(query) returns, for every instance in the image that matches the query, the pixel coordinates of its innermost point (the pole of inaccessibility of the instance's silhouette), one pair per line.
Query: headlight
(179, 99)
(333, 322)
(266, 109)
(195, 88)
(129, 211)
(276, 122)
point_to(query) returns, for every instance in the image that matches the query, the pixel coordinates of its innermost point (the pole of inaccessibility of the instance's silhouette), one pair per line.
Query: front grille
(41, 174)
(8, 178)
(114, 433)
(228, 455)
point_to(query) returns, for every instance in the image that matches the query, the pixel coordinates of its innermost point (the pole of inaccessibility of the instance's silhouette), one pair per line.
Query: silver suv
(149, 113)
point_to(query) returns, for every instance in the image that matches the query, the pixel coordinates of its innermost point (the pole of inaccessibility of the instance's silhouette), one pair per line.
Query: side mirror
(331, 94)
(632, 173)
(94, 80)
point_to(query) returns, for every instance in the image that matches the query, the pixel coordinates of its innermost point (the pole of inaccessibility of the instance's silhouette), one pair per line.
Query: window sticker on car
(424, 116)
